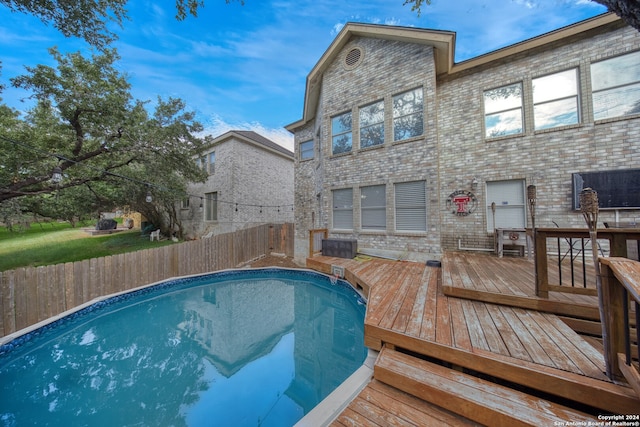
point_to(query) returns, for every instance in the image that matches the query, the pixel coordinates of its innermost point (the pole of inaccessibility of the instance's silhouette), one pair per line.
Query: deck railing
(621, 302)
(315, 240)
(568, 252)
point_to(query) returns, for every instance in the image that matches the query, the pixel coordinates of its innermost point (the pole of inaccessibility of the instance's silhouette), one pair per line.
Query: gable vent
(353, 58)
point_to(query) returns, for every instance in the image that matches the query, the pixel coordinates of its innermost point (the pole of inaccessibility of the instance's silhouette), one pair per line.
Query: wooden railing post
(542, 272)
(613, 301)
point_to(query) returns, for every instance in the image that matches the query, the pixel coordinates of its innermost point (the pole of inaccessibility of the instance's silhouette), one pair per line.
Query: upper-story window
(615, 84)
(373, 207)
(408, 116)
(212, 162)
(201, 162)
(211, 206)
(555, 100)
(372, 125)
(341, 135)
(343, 209)
(306, 150)
(503, 111)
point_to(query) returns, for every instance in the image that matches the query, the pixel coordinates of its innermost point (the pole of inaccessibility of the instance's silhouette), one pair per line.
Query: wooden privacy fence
(30, 295)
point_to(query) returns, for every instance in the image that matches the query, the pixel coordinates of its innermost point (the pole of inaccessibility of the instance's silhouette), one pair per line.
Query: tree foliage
(110, 149)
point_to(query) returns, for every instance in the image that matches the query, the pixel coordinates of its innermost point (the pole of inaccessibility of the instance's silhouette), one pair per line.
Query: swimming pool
(237, 348)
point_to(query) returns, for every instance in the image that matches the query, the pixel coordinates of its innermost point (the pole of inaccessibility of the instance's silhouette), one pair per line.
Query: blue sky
(244, 67)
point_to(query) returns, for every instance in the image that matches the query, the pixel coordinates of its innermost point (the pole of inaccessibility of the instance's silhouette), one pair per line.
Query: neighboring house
(406, 151)
(250, 182)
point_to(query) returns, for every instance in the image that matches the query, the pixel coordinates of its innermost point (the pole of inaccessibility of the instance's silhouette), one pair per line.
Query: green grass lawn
(55, 243)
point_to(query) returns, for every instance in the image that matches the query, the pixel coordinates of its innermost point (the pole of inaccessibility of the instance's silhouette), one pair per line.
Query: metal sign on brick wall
(462, 203)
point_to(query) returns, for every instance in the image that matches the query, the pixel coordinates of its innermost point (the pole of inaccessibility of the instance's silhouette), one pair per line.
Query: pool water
(236, 348)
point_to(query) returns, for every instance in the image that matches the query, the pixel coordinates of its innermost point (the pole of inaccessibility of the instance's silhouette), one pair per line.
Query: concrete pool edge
(328, 410)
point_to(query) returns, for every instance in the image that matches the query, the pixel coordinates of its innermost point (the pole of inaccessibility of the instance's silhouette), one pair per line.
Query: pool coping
(325, 412)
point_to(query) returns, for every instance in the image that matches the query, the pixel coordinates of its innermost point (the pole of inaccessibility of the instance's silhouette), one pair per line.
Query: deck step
(468, 396)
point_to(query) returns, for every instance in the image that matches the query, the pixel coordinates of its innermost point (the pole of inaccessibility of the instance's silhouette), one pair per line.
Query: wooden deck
(478, 316)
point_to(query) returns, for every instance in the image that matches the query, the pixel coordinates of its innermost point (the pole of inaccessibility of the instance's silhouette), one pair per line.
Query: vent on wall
(353, 58)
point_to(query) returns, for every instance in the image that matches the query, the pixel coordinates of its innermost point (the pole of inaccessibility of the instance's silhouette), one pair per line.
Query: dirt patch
(273, 261)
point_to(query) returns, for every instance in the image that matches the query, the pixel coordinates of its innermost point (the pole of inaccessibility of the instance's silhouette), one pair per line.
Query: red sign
(462, 202)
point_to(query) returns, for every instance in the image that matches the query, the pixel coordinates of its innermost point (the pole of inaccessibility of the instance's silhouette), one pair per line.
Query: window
(306, 150)
(411, 206)
(212, 162)
(408, 115)
(510, 209)
(372, 125)
(373, 207)
(211, 206)
(341, 133)
(615, 84)
(555, 100)
(503, 111)
(201, 162)
(184, 204)
(343, 209)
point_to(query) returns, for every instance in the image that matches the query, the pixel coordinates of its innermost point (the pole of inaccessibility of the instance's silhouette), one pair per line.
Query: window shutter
(411, 206)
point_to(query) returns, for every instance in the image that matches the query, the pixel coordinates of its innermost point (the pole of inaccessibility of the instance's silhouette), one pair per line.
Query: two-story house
(250, 182)
(412, 154)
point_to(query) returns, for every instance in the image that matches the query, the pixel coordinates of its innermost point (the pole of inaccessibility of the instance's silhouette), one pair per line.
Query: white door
(510, 207)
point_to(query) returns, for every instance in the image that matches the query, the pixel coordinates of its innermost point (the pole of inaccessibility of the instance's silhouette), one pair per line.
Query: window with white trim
(372, 124)
(341, 135)
(408, 115)
(306, 150)
(373, 207)
(411, 206)
(211, 206)
(212, 162)
(343, 209)
(615, 84)
(555, 100)
(503, 111)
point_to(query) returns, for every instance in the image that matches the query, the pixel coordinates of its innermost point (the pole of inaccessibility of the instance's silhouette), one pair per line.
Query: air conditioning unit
(340, 248)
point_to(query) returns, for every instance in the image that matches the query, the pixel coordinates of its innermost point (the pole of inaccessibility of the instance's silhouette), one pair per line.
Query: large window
(372, 125)
(373, 207)
(341, 135)
(503, 111)
(343, 209)
(509, 210)
(306, 150)
(615, 84)
(555, 100)
(411, 206)
(211, 206)
(408, 116)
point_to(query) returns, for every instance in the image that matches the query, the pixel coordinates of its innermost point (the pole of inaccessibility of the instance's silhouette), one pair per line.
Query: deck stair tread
(380, 404)
(473, 398)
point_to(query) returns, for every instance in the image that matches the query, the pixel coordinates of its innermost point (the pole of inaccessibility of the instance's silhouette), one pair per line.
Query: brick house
(412, 154)
(250, 182)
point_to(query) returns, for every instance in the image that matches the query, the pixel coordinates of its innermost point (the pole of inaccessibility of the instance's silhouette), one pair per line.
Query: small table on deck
(512, 237)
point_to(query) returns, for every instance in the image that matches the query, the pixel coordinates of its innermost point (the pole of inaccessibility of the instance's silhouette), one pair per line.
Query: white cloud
(219, 126)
